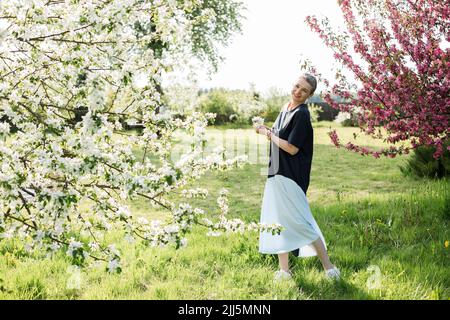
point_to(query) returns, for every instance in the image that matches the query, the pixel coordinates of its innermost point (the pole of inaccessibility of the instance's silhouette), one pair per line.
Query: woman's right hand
(261, 126)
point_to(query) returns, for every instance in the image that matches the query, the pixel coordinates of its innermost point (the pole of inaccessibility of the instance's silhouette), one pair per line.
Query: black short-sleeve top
(295, 127)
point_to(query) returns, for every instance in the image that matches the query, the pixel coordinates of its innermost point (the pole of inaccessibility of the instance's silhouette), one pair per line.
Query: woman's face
(301, 91)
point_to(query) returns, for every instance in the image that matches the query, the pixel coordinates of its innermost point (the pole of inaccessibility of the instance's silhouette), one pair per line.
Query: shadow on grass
(331, 290)
(312, 283)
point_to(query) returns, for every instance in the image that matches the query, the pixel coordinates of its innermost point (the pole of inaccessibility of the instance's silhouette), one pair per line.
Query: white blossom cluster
(222, 201)
(257, 121)
(234, 225)
(342, 116)
(71, 74)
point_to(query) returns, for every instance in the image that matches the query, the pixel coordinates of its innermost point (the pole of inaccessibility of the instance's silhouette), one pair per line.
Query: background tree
(399, 71)
(208, 24)
(214, 22)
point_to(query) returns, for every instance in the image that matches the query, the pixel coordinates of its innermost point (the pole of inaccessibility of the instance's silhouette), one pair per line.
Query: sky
(273, 39)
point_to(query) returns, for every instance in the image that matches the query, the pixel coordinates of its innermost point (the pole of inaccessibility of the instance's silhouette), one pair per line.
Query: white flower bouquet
(257, 121)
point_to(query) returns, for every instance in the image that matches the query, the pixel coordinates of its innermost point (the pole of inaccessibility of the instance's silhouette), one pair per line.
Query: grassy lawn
(384, 231)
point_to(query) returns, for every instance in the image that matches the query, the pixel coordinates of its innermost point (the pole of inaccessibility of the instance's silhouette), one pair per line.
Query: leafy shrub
(271, 113)
(319, 110)
(327, 112)
(239, 106)
(246, 105)
(236, 106)
(277, 99)
(314, 110)
(217, 102)
(274, 100)
(422, 164)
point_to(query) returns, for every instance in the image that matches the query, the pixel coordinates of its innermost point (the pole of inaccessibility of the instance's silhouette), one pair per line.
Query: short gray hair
(312, 81)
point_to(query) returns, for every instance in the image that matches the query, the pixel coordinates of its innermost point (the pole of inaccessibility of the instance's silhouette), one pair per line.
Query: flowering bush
(314, 110)
(63, 183)
(402, 82)
(274, 99)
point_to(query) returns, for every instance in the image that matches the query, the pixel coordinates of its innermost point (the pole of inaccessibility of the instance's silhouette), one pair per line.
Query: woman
(284, 200)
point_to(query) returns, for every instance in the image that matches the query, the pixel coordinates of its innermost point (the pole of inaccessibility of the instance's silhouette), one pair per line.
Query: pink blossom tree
(397, 53)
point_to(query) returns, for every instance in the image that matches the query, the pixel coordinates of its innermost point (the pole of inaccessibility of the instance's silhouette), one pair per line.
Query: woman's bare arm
(281, 143)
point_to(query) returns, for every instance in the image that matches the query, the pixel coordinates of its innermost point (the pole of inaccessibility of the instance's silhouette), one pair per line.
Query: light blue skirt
(284, 202)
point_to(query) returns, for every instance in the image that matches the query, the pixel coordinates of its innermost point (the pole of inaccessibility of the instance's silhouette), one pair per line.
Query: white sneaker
(282, 275)
(333, 274)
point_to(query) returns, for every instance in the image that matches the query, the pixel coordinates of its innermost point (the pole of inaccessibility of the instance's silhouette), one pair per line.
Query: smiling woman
(284, 200)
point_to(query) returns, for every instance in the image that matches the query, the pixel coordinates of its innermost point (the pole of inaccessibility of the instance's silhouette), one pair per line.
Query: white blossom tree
(65, 183)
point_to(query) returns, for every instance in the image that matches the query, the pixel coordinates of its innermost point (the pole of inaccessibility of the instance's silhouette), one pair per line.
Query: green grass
(369, 213)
